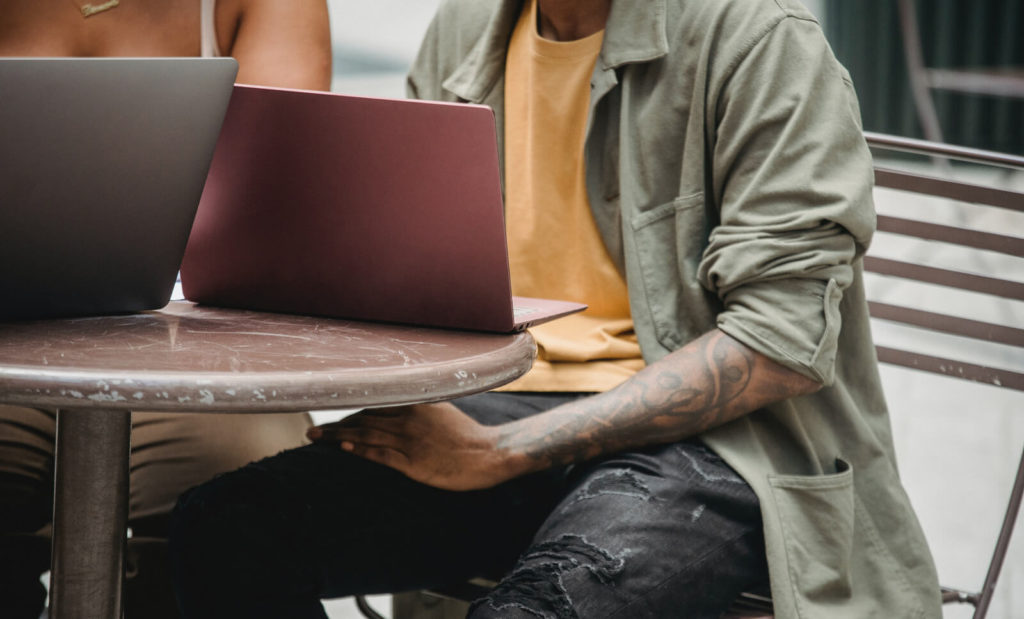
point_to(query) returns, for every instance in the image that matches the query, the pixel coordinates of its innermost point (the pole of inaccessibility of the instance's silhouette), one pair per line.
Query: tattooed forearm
(711, 381)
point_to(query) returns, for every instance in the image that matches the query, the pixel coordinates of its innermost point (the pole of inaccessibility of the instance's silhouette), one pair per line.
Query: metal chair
(990, 81)
(993, 285)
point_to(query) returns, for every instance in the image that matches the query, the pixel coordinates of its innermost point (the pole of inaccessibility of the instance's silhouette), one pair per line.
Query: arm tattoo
(711, 381)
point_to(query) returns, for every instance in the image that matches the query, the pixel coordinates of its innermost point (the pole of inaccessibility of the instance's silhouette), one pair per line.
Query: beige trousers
(170, 453)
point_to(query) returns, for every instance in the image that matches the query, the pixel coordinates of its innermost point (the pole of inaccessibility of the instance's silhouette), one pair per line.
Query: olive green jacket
(728, 175)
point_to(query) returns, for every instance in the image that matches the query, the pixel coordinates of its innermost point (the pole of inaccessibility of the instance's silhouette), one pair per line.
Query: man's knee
(548, 577)
(248, 526)
(219, 519)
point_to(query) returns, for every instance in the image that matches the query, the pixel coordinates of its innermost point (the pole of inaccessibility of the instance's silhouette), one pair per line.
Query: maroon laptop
(357, 207)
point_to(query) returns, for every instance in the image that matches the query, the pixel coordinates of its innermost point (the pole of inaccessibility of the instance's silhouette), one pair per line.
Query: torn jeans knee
(646, 534)
(536, 588)
(620, 482)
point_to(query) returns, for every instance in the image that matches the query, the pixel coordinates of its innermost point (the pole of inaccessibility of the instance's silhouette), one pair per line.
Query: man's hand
(436, 444)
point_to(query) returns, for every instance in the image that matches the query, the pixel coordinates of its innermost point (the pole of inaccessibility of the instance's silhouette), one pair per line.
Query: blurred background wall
(866, 37)
(375, 42)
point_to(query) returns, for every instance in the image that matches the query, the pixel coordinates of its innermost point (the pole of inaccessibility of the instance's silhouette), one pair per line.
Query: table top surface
(202, 359)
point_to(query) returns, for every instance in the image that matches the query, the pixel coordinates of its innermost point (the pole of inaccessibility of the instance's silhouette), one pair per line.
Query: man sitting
(696, 173)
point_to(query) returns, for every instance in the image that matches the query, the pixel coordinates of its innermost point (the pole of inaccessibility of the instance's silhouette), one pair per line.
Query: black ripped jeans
(669, 531)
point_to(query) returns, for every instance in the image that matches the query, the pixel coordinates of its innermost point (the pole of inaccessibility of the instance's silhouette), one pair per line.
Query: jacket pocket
(669, 240)
(837, 564)
(817, 515)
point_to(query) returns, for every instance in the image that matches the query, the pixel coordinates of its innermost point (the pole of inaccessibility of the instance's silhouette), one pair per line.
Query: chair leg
(1003, 543)
(365, 609)
(915, 66)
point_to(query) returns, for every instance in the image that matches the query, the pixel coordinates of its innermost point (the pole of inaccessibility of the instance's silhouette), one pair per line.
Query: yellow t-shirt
(555, 249)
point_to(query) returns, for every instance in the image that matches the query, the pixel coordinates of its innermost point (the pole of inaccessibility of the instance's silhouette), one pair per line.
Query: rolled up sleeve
(792, 178)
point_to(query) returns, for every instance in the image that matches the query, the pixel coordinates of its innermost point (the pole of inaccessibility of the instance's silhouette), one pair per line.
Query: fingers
(364, 435)
(374, 435)
(381, 455)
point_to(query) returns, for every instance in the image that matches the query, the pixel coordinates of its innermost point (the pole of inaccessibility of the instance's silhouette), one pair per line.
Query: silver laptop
(102, 164)
(358, 207)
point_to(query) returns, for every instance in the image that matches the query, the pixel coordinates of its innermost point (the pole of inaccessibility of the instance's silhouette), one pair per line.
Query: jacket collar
(635, 33)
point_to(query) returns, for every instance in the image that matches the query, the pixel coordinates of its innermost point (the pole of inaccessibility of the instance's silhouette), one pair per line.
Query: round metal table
(189, 358)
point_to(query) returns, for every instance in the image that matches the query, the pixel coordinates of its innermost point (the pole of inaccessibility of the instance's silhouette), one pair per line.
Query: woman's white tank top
(207, 31)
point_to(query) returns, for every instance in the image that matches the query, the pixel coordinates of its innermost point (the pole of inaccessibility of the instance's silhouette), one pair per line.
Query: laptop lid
(102, 163)
(357, 207)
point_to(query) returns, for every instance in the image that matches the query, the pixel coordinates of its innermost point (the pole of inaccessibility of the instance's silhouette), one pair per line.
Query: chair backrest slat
(951, 367)
(954, 190)
(945, 277)
(1010, 245)
(945, 323)
(899, 143)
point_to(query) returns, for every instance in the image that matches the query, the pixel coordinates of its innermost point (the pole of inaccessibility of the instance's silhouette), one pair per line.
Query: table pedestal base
(90, 513)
